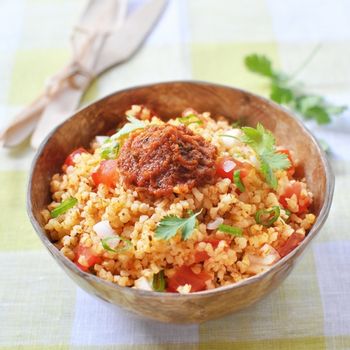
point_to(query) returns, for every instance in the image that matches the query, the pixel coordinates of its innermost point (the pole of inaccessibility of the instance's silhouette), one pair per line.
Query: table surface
(41, 308)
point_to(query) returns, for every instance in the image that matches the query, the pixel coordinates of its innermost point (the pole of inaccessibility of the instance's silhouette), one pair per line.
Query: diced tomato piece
(291, 169)
(225, 168)
(70, 159)
(291, 243)
(89, 257)
(107, 173)
(200, 256)
(185, 275)
(303, 201)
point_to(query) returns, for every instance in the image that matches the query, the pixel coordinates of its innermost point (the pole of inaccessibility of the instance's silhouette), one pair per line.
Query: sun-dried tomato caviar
(163, 159)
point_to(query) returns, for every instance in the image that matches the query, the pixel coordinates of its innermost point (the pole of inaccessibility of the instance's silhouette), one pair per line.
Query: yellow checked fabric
(41, 308)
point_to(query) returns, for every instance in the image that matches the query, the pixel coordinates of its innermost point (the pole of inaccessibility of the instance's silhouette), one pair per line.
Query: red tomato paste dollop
(161, 157)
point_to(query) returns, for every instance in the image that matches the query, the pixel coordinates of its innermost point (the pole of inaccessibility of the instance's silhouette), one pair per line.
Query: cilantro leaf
(268, 173)
(259, 64)
(285, 91)
(281, 94)
(306, 102)
(318, 113)
(263, 143)
(276, 160)
(259, 138)
(170, 225)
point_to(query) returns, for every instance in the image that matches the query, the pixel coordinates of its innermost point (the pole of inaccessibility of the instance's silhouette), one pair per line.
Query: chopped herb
(263, 143)
(158, 283)
(110, 149)
(260, 64)
(190, 119)
(284, 90)
(267, 217)
(170, 225)
(231, 230)
(288, 212)
(237, 180)
(63, 207)
(133, 125)
(106, 246)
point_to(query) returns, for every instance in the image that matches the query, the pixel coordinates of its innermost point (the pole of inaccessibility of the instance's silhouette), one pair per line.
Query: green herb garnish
(63, 207)
(288, 212)
(190, 119)
(133, 125)
(231, 230)
(110, 149)
(267, 217)
(263, 143)
(158, 283)
(237, 180)
(106, 246)
(285, 91)
(170, 225)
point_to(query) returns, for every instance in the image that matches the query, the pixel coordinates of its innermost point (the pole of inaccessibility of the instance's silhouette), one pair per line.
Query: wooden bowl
(169, 100)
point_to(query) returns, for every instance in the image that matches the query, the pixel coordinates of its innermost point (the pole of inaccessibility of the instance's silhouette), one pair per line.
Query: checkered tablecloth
(41, 308)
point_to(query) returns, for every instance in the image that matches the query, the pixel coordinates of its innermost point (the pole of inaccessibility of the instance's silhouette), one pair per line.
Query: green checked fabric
(41, 308)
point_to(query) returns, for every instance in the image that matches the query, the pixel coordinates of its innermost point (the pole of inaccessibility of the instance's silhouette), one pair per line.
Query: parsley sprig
(170, 225)
(284, 90)
(263, 143)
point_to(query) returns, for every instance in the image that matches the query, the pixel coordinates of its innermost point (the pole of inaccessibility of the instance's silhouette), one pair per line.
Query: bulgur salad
(186, 205)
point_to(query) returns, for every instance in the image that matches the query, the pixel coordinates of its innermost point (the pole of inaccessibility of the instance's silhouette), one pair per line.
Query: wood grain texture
(168, 100)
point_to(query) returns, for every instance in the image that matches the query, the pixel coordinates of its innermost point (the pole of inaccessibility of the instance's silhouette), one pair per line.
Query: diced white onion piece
(230, 141)
(229, 165)
(185, 289)
(142, 283)
(103, 229)
(270, 257)
(213, 225)
(143, 218)
(270, 252)
(101, 139)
